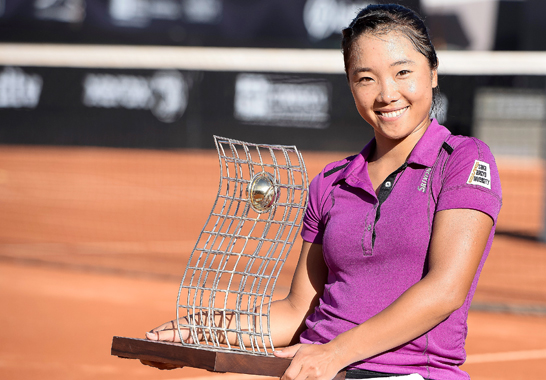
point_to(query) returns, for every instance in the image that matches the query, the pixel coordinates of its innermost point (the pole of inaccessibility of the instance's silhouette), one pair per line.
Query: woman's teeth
(394, 113)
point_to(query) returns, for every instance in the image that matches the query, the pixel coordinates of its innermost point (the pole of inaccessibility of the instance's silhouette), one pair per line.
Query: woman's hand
(311, 361)
(287, 316)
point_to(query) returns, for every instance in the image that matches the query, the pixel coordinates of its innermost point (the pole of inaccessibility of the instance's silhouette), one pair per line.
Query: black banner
(176, 109)
(237, 23)
(183, 109)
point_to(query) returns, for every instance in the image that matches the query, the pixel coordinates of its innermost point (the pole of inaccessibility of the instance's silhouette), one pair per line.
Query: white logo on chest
(423, 185)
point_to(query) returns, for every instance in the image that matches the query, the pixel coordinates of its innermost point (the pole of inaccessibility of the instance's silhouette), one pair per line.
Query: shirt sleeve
(471, 180)
(313, 226)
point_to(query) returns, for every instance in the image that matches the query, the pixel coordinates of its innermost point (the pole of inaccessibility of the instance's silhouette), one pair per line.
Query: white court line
(327, 61)
(506, 356)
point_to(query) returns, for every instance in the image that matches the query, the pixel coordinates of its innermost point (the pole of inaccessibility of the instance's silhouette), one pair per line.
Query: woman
(394, 237)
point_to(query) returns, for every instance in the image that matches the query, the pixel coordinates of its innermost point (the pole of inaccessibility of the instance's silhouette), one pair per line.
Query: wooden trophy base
(214, 361)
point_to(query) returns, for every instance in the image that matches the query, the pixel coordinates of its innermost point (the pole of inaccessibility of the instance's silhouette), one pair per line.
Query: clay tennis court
(93, 243)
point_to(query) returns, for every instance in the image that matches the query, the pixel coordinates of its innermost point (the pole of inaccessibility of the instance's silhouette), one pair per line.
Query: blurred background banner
(174, 108)
(242, 23)
(462, 24)
(171, 108)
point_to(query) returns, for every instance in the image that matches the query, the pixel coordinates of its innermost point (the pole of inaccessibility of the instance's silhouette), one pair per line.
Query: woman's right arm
(287, 316)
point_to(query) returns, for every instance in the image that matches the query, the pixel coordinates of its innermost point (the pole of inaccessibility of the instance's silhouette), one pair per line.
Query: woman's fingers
(295, 368)
(168, 332)
(159, 365)
(164, 336)
(310, 361)
(287, 352)
(171, 336)
(170, 325)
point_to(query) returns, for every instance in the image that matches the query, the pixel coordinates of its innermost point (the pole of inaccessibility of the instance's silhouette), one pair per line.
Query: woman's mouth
(392, 113)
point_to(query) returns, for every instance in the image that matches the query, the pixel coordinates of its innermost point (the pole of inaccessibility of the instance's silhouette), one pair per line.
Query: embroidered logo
(480, 175)
(423, 186)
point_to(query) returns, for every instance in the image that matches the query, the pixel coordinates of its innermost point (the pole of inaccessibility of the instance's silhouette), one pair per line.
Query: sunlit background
(108, 170)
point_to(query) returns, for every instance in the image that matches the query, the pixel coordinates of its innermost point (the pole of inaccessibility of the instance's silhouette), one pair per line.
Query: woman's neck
(395, 151)
(388, 155)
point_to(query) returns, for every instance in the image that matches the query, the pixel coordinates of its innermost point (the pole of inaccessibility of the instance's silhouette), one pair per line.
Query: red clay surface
(93, 243)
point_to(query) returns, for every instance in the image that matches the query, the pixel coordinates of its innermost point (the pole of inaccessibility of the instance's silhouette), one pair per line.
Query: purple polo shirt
(375, 246)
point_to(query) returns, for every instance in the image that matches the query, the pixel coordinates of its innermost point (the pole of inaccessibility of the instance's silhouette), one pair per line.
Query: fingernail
(150, 334)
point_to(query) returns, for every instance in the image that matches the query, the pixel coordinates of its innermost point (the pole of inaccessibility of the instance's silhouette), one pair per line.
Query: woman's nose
(388, 92)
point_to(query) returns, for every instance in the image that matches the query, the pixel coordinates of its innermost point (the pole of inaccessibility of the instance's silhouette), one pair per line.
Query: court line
(510, 308)
(327, 61)
(506, 356)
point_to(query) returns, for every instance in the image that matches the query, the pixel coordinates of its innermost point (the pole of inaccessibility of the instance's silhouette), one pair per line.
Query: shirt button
(388, 184)
(369, 227)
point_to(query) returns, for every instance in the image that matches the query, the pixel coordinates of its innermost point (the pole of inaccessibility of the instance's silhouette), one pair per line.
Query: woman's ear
(435, 75)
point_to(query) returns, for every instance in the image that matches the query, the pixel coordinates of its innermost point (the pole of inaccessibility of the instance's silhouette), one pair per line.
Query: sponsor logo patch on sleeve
(480, 175)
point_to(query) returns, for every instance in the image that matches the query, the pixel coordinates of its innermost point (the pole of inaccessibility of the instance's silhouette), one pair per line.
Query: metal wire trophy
(228, 284)
(231, 274)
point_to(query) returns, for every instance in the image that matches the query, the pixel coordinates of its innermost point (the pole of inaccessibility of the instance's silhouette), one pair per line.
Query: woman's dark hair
(384, 18)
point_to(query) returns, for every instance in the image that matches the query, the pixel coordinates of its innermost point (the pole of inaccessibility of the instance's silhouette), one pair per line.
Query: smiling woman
(392, 86)
(394, 237)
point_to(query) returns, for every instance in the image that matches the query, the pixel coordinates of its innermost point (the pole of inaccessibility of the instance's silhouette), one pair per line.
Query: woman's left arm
(457, 244)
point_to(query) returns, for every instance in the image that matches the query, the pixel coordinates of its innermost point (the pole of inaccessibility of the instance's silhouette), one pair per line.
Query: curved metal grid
(228, 283)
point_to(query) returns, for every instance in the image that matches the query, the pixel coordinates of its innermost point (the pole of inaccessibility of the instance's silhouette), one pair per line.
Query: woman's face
(392, 84)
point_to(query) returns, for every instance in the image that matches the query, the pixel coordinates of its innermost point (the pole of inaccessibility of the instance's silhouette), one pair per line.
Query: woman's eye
(364, 79)
(404, 72)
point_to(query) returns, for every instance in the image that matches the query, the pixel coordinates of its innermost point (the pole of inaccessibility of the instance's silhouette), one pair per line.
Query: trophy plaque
(226, 291)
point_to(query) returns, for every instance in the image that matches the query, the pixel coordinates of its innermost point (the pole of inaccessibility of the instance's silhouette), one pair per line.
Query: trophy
(227, 286)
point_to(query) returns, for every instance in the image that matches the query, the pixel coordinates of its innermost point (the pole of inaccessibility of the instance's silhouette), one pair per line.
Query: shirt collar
(424, 153)
(356, 173)
(427, 148)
